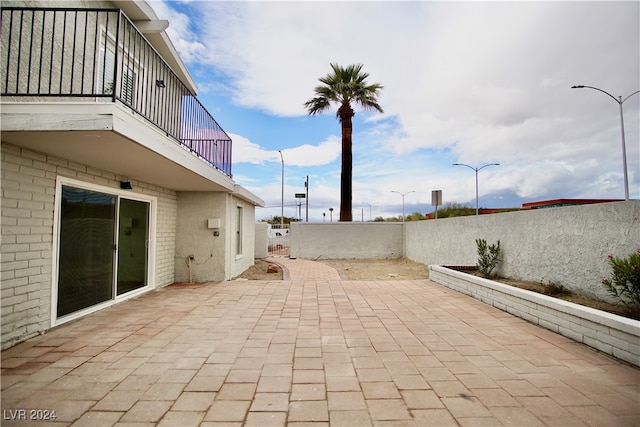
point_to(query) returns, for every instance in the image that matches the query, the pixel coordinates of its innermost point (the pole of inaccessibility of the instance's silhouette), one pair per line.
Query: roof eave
(153, 28)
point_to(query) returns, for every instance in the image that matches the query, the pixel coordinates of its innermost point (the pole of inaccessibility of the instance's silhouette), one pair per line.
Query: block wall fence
(566, 245)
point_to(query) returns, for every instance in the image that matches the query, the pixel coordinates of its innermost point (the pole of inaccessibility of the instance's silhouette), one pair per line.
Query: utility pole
(306, 186)
(282, 195)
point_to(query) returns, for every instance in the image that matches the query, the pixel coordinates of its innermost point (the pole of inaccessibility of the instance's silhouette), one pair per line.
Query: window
(239, 230)
(127, 72)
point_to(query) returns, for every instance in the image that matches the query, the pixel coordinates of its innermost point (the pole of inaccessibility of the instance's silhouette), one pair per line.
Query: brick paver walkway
(313, 352)
(303, 269)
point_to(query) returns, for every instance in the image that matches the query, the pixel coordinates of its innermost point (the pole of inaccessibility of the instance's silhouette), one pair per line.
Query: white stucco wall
(195, 239)
(215, 258)
(262, 242)
(565, 245)
(346, 240)
(239, 262)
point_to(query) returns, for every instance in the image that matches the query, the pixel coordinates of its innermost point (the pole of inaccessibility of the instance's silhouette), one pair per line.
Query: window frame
(151, 267)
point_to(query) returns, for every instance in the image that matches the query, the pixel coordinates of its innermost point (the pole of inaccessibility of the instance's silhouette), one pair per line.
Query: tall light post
(620, 101)
(282, 195)
(476, 170)
(306, 187)
(331, 214)
(368, 204)
(402, 194)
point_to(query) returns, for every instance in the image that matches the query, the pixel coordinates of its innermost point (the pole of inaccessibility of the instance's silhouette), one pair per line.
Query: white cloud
(309, 155)
(181, 32)
(245, 151)
(470, 82)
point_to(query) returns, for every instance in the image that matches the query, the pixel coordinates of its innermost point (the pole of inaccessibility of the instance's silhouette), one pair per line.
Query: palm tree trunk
(346, 113)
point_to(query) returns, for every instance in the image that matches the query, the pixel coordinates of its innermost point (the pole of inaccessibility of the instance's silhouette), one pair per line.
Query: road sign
(436, 197)
(300, 196)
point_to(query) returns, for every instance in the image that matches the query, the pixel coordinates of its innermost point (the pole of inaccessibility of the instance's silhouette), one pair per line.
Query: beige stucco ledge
(612, 334)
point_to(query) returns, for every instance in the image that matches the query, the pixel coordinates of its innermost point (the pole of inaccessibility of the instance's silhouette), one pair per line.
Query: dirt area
(353, 269)
(404, 269)
(566, 295)
(260, 271)
(379, 269)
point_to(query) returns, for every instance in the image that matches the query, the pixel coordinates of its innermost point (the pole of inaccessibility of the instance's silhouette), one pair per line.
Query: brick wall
(28, 191)
(609, 333)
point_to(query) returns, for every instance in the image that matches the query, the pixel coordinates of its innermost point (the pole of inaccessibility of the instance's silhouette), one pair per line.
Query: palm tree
(344, 86)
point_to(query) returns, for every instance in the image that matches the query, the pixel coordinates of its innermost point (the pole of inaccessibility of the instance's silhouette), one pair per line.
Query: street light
(402, 194)
(306, 187)
(330, 214)
(368, 204)
(619, 100)
(476, 169)
(282, 196)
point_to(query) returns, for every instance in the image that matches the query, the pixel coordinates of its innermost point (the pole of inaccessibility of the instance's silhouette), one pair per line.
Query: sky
(463, 82)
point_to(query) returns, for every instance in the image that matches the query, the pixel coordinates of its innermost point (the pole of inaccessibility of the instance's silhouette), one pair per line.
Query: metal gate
(278, 240)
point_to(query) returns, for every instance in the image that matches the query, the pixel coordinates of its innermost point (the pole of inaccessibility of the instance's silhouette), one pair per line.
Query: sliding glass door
(133, 238)
(85, 261)
(103, 243)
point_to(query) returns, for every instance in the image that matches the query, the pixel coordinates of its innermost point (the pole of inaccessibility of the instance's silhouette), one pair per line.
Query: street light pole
(368, 204)
(620, 101)
(402, 194)
(476, 170)
(306, 186)
(282, 195)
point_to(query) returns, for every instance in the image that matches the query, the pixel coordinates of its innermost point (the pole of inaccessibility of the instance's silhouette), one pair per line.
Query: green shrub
(553, 289)
(488, 256)
(451, 210)
(624, 283)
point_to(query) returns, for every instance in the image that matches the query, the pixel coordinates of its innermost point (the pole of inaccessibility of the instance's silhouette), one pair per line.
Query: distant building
(556, 203)
(472, 211)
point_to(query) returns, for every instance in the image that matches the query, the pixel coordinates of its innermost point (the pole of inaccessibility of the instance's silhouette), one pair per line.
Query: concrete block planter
(612, 334)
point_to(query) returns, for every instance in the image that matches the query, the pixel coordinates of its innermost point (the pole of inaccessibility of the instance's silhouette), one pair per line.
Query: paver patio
(312, 352)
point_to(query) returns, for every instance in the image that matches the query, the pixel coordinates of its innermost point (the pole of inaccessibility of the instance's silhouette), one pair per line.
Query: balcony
(55, 55)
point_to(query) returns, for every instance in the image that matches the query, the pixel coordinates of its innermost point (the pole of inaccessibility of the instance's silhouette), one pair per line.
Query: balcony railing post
(115, 55)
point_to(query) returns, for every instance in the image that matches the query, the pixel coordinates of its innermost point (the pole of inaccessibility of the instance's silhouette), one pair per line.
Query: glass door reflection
(133, 237)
